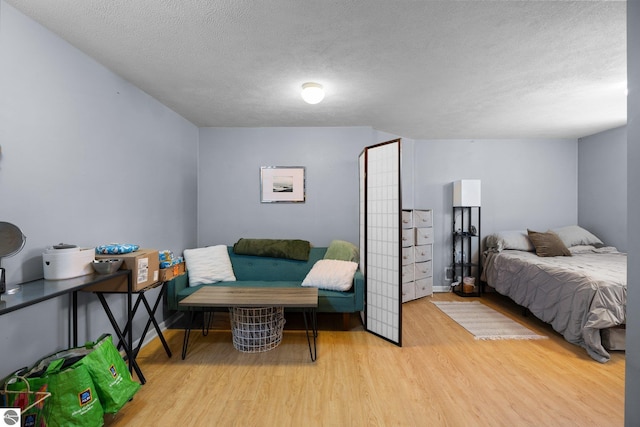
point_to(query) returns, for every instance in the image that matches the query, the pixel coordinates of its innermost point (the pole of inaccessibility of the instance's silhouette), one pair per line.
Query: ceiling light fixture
(312, 93)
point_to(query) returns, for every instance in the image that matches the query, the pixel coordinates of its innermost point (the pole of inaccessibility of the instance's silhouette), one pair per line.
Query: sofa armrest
(174, 286)
(358, 289)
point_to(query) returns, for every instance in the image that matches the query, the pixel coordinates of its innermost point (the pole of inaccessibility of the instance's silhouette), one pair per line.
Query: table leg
(152, 319)
(131, 359)
(314, 313)
(151, 312)
(187, 331)
(74, 298)
(314, 332)
(128, 327)
(207, 319)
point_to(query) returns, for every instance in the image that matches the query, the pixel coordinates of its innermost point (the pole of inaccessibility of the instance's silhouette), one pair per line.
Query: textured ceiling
(418, 69)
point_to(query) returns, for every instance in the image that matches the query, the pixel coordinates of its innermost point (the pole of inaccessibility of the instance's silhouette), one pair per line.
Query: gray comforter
(577, 295)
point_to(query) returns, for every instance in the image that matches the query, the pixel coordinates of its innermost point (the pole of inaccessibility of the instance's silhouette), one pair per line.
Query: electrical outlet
(448, 274)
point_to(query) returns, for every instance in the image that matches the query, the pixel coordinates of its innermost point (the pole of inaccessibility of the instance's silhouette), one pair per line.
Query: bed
(582, 293)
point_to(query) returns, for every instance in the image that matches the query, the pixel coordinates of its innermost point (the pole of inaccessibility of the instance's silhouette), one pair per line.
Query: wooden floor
(441, 376)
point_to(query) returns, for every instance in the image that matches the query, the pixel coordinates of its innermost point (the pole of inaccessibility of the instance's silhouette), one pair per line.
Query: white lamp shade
(312, 93)
(466, 192)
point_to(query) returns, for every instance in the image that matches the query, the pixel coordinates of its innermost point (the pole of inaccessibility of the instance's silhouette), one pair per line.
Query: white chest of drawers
(417, 254)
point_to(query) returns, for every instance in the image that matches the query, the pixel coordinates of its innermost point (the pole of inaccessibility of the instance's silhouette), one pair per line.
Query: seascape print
(283, 184)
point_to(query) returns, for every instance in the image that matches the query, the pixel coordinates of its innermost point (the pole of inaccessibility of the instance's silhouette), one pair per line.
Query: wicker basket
(256, 330)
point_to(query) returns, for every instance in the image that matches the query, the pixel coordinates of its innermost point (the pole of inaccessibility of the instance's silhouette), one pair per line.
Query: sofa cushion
(331, 274)
(247, 267)
(337, 301)
(208, 265)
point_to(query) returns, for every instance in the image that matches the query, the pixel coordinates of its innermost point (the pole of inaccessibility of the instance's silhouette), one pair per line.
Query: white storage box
(66, 263)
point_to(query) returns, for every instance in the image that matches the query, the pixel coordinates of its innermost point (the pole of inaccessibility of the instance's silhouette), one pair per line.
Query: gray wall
(602, 186)
(229, 205)
(230, 159)
(86, 159)
(632, 379)
(525, 184)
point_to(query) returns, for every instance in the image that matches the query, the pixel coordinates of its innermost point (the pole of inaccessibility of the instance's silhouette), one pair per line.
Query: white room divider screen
(380, 239)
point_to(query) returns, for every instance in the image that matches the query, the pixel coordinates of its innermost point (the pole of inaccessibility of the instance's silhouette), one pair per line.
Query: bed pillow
(548, 244)
(342, 250)
(209, 265)
(574, 235)
(516, 240)
(332, 274)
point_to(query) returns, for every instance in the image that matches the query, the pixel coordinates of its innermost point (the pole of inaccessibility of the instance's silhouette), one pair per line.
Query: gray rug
(484, 322)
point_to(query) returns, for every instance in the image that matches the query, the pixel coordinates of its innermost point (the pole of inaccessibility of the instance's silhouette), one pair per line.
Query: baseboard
(442, 289)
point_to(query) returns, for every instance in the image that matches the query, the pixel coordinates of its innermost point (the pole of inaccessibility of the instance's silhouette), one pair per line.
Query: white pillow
(332, 274)
(574, 235)
(209, 265)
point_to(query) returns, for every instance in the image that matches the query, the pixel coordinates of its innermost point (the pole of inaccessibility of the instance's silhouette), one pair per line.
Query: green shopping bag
(110, 374)
(111, 377)
(74, 401)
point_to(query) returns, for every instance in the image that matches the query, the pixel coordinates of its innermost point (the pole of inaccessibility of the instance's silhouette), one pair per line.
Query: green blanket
(274, 248)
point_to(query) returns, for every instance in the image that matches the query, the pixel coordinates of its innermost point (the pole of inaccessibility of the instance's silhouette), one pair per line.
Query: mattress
(578, 295)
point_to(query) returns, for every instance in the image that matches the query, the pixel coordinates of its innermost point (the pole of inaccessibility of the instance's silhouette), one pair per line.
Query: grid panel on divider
(361, 163)
(383, 241)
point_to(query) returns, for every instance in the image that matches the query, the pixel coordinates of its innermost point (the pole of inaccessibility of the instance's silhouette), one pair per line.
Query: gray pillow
(573, 235)
(516, 240)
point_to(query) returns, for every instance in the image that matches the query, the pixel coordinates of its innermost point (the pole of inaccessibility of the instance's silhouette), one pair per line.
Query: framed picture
(282, 184)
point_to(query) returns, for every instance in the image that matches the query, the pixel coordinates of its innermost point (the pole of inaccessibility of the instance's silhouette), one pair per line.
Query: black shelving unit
(466, 249)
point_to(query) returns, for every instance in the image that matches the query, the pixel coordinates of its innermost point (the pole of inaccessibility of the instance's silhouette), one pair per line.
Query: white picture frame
(282, 184)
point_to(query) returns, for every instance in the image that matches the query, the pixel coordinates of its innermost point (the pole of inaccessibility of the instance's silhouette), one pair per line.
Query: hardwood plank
(442, 376)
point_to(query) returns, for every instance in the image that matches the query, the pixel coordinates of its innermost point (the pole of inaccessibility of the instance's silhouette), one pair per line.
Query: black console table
(125, 333)
(36, 291)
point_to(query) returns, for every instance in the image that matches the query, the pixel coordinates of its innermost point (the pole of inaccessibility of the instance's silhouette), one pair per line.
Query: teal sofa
(277, 272)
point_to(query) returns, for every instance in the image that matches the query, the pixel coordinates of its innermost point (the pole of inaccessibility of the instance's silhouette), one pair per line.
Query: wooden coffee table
(236, 296)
